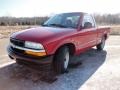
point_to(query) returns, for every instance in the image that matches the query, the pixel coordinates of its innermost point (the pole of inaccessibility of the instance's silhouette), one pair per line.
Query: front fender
(52, 47)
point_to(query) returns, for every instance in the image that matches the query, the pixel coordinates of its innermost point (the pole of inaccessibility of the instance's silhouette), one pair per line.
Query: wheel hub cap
(66, 61)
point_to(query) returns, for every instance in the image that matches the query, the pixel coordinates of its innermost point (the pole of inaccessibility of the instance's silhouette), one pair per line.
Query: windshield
(66, 20)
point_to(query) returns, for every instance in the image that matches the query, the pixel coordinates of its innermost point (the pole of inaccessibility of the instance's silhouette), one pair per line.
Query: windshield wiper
(57, 25)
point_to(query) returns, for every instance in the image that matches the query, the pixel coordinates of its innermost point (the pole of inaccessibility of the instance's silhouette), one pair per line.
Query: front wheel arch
(71, 47)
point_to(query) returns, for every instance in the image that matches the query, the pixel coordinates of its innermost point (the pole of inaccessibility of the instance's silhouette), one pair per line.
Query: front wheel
(61, 60)
(101, 45)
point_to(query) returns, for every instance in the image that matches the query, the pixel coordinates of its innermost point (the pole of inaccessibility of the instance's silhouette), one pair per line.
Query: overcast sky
(30, 8)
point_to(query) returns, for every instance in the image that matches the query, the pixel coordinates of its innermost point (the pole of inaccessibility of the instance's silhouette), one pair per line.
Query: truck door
(88, 34)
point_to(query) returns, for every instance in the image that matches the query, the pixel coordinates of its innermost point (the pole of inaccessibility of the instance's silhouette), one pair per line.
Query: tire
(101, 46)
(19, 62)
(61, 60)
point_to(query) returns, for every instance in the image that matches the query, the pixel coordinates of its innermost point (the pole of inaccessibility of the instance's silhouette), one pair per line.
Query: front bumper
(28, 58)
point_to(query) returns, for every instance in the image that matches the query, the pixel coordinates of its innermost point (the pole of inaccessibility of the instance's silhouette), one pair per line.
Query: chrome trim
(26, 49)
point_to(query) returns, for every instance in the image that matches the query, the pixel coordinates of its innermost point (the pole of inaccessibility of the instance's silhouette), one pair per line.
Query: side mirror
(87, 25)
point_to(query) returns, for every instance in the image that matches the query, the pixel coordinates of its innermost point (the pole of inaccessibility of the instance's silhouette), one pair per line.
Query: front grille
(17, 42)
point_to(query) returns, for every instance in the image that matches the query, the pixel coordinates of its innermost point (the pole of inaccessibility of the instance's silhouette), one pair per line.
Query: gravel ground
(99, 71)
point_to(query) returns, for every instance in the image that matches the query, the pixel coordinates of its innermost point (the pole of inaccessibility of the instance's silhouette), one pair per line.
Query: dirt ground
(99, 71)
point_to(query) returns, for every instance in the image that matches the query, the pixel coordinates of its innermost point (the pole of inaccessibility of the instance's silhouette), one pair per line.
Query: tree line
(13, 21)
(105, 19)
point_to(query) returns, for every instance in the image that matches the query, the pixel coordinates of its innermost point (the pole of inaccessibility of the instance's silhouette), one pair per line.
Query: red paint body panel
(53, 37)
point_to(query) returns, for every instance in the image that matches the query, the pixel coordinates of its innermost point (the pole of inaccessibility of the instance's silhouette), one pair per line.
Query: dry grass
(5, 31)
(115, 30)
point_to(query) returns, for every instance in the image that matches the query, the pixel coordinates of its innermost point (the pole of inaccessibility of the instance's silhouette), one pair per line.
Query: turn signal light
(35, 53)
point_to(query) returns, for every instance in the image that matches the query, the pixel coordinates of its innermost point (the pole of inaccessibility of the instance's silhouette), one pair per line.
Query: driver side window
(88, 22)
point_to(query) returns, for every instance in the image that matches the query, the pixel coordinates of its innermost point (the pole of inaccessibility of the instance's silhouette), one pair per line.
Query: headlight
(33, 45)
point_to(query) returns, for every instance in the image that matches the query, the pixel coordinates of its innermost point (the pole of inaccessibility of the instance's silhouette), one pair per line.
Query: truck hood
(41, 34)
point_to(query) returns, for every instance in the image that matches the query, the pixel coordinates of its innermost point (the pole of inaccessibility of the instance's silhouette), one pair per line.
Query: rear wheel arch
(102, 44)
(105, 36)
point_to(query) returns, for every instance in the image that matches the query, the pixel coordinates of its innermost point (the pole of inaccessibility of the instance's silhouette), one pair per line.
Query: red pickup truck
(62, 36)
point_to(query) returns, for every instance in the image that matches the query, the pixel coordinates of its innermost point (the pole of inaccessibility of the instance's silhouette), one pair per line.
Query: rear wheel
(101, 45)
(61, 60)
